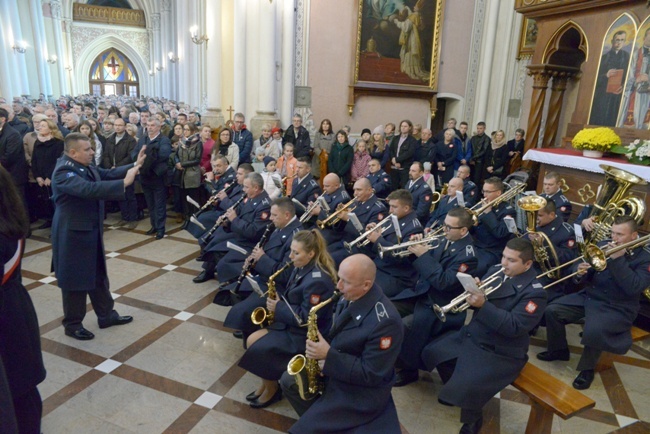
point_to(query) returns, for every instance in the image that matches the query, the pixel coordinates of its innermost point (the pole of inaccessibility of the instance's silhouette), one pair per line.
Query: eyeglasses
(448, 228)
(489, 191)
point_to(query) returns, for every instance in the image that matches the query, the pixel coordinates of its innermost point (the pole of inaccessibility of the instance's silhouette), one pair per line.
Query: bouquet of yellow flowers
(596, 139)
(637, 152)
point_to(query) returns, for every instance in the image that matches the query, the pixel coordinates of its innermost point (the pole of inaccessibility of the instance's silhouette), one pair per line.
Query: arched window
(112, 73)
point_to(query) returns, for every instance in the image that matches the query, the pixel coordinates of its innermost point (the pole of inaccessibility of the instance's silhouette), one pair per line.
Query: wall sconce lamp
(151, 72)
(195, 36)
(172, 57)
(52, 60)
(158, 67)
(19, 46)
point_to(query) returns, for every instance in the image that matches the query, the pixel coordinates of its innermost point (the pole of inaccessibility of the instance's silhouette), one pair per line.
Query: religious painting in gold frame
(612, 71)
(527, 38)
(635, 107)
(398, 43)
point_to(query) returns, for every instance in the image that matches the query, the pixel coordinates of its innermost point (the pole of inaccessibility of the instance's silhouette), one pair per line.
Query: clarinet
(249, 264)
(213, 199)
(221, 220)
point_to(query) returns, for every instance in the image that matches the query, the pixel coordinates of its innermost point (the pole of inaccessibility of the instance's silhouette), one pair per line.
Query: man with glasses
(437, 284)
(491, 234)
(299, 137)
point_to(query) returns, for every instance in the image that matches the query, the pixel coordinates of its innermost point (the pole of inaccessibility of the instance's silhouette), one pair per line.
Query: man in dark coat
(613, 65)
(79, 190)
(486, 355)
(242, 138)
(445, 157)
(153, 174)
(379, 179)
(118, 152)
(470, 190)
(446, 204)
(334, 194)
(12, 154)
(21, 127)
(480, 144)
(609, 304)
(553, 191)
(299, 137)
(304, 188)
(421, 192)
(356, 358)
(402, 151)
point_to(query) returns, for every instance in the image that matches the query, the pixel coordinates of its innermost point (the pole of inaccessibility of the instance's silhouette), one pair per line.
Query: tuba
(612, 201)
(306, 371)
(545, 254)
(260, 314)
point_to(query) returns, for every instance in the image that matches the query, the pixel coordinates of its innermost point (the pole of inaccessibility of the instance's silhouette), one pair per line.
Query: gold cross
(230, 112)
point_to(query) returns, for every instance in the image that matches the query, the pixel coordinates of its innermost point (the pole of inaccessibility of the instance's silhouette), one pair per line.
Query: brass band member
(270, 349)
(487, 354)
(356, 358)
(609, 304)
(470, 190)
(334, 194)
(448, 202)
(553, 191)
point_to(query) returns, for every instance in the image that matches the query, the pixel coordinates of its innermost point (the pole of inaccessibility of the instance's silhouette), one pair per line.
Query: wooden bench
(606, 360)
(548, 396)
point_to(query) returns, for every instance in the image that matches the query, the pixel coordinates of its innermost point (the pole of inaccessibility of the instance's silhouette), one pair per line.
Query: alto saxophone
(306, 371)
(260, 314)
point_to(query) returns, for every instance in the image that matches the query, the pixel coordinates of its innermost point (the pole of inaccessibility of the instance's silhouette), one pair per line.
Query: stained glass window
(112, 65)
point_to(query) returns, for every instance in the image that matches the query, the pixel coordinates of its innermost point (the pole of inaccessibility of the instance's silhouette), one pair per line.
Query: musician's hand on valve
(476, 300)
(316, 210)
(588, 224)
(271, 303)
(317, 350)
(374, 235)
(534, 237)
(418, 250)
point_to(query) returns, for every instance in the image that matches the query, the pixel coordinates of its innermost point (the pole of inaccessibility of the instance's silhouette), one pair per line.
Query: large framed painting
(612, 71)
(527, 38)
(635, 106)
(398, 43)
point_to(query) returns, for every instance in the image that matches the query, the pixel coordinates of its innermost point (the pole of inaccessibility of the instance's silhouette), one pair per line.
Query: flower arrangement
(637, 152)
(596, 139)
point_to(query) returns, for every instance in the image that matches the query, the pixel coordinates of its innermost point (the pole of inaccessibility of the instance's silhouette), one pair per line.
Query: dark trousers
(557, 316)
(74, 306)
(156, 197)
(446, 370)
(129, 206)
(290, 391)
(399, 178)
(29, 409)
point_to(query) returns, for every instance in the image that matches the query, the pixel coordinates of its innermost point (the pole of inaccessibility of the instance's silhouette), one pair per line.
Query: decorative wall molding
(166, 5)
(55, 8)
(518, 92)
(474, 60)
(84, 35)
(302, 60)
(108, 15)
(155, 21)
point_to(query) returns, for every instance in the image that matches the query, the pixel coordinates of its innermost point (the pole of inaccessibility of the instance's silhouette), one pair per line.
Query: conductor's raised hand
(130, 175)
(141, 156)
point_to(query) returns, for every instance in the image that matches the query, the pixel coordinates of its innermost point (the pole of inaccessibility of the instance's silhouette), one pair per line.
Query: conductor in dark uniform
(437, 285)
(486, 355)
(79, 190)
(552, 191)
(378, 178)
(304, 188)
(356, 359)
(368, 209)
(609, 304)
(421, 192)
(243, 227)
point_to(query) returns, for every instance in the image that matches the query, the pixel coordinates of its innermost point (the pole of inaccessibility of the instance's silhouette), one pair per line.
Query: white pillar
(40, 47)
(9, 14)
(67, 29)
(55, 6)
(239, 57)
(7, 90)
(214, 116)
(165, 47)
(156, 54)
(184, 46)
(288, 55)
(487, 55)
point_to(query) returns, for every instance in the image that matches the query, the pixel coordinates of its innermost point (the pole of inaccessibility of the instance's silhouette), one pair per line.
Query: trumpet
(307, 214)
(260, 314)
(335, 217)
(460, 304)
(362, 239)
(596, 257)
(221, 220)
(402, 249)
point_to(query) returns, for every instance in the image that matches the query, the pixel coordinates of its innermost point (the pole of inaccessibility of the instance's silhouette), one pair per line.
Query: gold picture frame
(527, 38)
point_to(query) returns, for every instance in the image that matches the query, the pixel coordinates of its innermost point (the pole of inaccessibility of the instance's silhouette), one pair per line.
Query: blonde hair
(313, 241)
(54, 129)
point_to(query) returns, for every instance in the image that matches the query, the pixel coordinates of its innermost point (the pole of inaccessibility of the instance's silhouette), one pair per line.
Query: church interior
(536, 65)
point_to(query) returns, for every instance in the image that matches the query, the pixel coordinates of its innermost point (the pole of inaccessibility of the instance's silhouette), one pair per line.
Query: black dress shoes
(406, 376)
(115, 320)
(277, 396)
(584, 380)
(151, 231)
(252, 396)
(203, 277)
(80, 334)
(549, 356)
(472, 428)
(160, 235)
(238, 334)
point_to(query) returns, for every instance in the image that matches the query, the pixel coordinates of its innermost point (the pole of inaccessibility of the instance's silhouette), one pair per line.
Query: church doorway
(112, 73)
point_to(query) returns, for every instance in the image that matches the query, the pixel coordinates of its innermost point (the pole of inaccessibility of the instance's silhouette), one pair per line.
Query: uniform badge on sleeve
(427, 198)
(563, 208)
(571, 243)
(463, 268)
(380, 216)
(385, 342)
(314, 299)
(265, 215)
(385, 179)
(69, 174)
(531, 307)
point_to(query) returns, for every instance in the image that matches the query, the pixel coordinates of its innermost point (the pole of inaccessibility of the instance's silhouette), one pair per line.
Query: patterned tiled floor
(174, 369)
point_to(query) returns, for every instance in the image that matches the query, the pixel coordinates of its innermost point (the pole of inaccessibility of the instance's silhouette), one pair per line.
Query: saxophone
(260, 314)
(306, 371)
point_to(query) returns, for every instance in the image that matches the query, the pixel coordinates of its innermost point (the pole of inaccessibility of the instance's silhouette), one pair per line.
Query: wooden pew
(548, 396)
(606, 360)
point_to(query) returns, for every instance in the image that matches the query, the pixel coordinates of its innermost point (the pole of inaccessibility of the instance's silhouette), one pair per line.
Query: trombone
(596, 257)
(335, 217)
(460, 304)
(506, 196)
(402, 249)
(363, 240)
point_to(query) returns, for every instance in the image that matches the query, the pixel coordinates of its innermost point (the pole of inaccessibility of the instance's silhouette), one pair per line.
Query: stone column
(239, 57)
(288, 57)
(7, 88)
(67, 29)
(156, 55)
(9, 14)
(40, 47)
(555, 103)
(213, 115)
(487, 55)
(541, 77)
(267, 101)
(55, 6)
